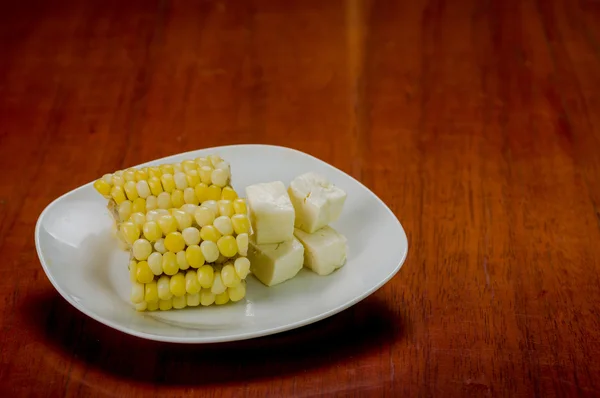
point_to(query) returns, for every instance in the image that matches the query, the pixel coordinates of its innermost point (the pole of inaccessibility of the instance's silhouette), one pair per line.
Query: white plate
(81, 259)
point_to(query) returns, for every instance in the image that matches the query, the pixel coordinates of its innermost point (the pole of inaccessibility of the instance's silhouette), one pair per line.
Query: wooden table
(477, 122)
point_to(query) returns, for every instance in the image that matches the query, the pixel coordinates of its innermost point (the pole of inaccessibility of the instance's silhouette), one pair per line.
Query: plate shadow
(368, 326)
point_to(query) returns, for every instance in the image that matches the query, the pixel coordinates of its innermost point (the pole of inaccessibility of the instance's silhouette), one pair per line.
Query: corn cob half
(139, 190)
(188, 256)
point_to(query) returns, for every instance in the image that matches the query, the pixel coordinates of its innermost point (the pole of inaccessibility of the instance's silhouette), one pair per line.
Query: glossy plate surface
(81, 258)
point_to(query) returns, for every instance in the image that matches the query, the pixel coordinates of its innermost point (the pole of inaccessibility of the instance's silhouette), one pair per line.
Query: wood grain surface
(476, 121)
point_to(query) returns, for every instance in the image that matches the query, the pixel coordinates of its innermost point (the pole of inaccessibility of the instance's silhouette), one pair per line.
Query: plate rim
(233, 337)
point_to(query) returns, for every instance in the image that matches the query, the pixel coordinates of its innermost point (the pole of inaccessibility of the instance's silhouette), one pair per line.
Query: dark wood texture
(477, 121)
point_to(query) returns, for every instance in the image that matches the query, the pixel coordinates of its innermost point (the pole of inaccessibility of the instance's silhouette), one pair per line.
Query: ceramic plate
(82, 260)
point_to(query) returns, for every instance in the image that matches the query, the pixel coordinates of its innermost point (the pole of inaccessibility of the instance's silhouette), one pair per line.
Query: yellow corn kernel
(189, 209)
(168, 182)
(218, 286)
(137, 292)
(141, 249)
(169, 263)
(210, 232)
(241, 224)
(174, 242)
(129, 175)
(118, 194)
(191, 236)
(239, 205)
(167, 224)
(214, 159)
(143, 189)
(182, 261)
(242, 267)
(212, 205)
(214, 192)
(141, 175)
(152, 231)
(166, 169)
(151, 292)
(238, 292)
(177, 284)
(192, 300)
(177, 198)
(117, 180)
(155, 186)
(165, 305)
(223, 165)
(205, 174)
(125, 210)
(192, 286)
(102, 187)
(152, 305)
(194, 256)
(181, 181)
(210, 251)
(130, 190)
(159, 246)
(229, 276)
(204, 216)
(139, 205)
(139, 219)
(133, 270)
(223, 225)
(184, 220)
(155, 261)
(222, 298)
(219, 177)
(189, 196)
(107, 178)
(201, 191)
(130, 232)
(206, 276)
(179, 302)
(228, 193)
(144, 273)
(189, 165)
(163, 201)
(154, 172)
(151, 203)
(164, 288)
(225, 208)
(193, 178)
(141, 307)
(242, 244)
(207, 297)
(201, 162)
(227, 246)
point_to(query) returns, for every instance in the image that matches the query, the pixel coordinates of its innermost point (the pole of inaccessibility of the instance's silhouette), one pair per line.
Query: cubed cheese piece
(275, 263)
(324, 250)
(317, 202)
(271, 212)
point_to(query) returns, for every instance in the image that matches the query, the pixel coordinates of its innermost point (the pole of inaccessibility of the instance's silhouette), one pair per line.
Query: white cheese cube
(317, 202)
(324, 250)
(271, 212)
(275, 263)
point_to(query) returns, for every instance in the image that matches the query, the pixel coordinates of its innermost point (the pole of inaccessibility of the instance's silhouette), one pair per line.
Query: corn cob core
(188, 256)
(166, 186)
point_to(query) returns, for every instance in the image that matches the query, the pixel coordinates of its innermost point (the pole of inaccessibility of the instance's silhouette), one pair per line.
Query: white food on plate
(317, 202)
(271, 212)
(324, 250)
(276, 262)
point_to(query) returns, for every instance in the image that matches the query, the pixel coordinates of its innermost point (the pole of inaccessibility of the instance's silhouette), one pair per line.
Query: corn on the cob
(185, 257)
(190, 182)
